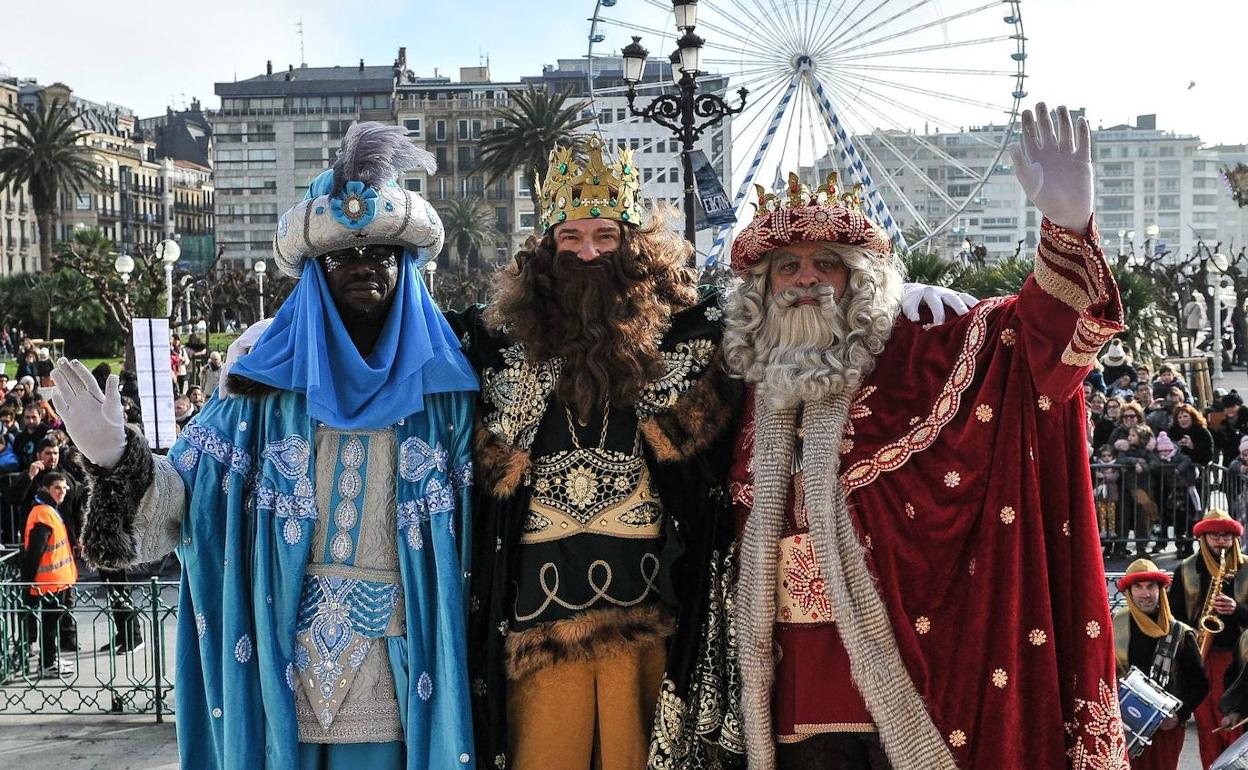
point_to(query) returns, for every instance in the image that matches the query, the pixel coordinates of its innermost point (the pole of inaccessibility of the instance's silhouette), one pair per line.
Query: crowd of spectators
(1156, 457)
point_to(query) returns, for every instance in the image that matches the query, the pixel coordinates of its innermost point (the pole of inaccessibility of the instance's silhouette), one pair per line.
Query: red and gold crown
(801, 213)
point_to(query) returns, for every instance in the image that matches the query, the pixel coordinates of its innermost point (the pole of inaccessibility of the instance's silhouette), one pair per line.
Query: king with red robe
(920, 583)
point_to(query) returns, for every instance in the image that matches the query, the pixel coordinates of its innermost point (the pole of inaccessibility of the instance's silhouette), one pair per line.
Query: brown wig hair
(608, 338)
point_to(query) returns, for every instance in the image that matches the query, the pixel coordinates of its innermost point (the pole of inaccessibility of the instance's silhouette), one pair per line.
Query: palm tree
(45, 153)
(534, 123)
(469, 224)
(931, 269)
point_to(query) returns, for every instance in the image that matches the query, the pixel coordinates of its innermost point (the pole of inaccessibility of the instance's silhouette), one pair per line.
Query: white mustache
(825, 293)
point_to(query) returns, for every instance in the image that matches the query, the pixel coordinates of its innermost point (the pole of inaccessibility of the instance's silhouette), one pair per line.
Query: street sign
(716, 205)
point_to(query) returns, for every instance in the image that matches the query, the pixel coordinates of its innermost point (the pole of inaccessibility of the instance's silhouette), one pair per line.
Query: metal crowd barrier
(133, 681)
(1153, 509)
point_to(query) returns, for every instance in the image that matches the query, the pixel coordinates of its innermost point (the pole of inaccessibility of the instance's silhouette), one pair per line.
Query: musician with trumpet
(1149, 638)
(1210, 593)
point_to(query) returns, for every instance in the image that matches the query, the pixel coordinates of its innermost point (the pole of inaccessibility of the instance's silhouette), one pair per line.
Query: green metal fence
(137, 620)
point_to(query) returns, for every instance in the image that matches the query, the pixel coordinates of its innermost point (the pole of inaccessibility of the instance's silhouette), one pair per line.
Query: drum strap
(1163, 657)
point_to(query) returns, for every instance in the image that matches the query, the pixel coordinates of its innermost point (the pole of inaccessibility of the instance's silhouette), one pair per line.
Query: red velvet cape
(965, 465)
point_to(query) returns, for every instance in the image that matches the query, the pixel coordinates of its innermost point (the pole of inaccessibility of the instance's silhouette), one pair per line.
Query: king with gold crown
(604, 423)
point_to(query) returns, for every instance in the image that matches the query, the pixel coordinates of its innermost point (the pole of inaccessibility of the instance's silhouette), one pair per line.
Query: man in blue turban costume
(322, 520)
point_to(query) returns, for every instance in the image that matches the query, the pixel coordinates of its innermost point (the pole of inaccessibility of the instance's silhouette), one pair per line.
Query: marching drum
(1234, 758)
(1144, 707)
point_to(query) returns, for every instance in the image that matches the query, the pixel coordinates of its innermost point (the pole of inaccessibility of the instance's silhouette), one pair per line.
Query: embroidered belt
(591, 490)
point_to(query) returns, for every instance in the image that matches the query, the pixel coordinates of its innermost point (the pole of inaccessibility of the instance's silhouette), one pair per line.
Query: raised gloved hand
(1055, 166)
(94, 420)
(238, 348)
(935, 297)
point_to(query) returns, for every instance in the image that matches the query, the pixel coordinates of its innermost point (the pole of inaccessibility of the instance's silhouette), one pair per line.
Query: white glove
(1056, 172)
(94, 420)
(936, 297)
(239, 347)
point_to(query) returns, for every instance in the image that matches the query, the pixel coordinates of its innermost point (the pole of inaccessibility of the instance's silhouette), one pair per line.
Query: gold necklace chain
(606, 416)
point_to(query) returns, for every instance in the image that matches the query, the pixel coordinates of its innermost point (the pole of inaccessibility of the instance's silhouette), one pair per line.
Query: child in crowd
(1106, 491)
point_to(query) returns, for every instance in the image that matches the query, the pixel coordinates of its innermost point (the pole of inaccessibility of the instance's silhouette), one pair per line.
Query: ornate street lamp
(682, 110)
(168, 250)
(431, 267)
(260, 267)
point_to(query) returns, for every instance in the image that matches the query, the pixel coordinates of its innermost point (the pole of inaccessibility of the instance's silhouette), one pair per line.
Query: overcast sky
(1118, 58)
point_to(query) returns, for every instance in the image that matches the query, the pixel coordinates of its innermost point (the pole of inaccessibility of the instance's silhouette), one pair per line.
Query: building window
(439, 130)
(526, 221)
(463, 129)
(621, 115)
(83, 202)
(413, 126)
(414, 185)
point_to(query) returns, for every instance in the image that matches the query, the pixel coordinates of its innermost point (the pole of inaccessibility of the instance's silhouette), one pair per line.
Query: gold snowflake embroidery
(866, 542)
(1007, 515)
(971, 568)
(984, 413)
(1093, 629)
(1045, 403)
(923, 624)
(999, 678)
(952, 479)
(957, 739)
(1096, 738)
(909, 510)
(1008, 336)
(914, 420)
(847, 446)
(1037, 637)
(1066, 528)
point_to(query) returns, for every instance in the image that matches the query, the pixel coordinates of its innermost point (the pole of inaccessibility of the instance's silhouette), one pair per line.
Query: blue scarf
(307, 349)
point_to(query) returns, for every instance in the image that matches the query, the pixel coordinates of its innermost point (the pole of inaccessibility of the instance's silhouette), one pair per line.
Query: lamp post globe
(634, 61)
(686, 13)
(690, 47)
(124, 265)
(169, 251)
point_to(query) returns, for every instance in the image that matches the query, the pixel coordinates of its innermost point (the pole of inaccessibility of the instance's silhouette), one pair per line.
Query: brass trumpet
(1210, 624)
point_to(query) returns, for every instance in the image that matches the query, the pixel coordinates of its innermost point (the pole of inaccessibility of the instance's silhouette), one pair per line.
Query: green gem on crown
(563, 168)
(595, 211)
(563, 215)
(624, 216)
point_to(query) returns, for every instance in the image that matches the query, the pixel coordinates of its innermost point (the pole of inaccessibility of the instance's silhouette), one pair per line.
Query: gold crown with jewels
(797, 194)
(599, 190)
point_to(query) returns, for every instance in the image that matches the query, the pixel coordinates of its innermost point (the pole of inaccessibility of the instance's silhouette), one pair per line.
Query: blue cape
(308, 350)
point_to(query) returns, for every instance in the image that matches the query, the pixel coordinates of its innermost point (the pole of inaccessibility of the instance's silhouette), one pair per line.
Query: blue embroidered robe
(248, 468)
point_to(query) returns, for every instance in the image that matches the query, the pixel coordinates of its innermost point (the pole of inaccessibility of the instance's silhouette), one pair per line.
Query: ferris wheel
(916, 100)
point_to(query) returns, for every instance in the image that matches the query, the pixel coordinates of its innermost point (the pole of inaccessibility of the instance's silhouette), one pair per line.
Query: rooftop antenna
(303, 62)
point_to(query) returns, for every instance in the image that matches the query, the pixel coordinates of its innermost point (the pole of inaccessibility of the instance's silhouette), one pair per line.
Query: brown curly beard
(604, 318)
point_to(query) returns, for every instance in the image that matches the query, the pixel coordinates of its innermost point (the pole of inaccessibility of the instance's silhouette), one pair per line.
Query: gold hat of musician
(597, 190)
